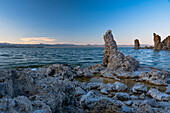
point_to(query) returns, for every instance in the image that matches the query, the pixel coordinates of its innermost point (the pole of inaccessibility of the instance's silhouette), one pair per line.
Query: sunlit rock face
(157, 42)
(164, 45)
(136, 44)
(115, 60)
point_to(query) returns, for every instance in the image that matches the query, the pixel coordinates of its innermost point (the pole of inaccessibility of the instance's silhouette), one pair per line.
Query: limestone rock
(156, 94)
(22, 104)
(138, 88)
(155, 77)
(122, 96)
(157, 41)
(136, 44)
(164, 45)
(115, 60)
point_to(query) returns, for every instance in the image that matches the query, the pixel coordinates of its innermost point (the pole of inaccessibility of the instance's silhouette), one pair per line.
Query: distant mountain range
(8, 45)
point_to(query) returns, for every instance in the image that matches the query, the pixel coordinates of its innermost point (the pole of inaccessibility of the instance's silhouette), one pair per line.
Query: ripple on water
(80, 56)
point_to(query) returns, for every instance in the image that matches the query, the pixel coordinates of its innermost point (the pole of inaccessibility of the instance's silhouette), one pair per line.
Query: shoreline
(118, 84)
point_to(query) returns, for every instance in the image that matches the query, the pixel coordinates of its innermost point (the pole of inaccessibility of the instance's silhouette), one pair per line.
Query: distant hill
(9, 45)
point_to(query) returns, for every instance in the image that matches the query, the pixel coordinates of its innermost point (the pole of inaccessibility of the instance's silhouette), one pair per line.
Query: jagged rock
(164, 45)
(157, 42)
(79, 91)
(138, 88)
(122, 96)
(104, 91)
(133, 97)
(120, 86)
(129, 102)
(61, 71)
(155, 77)
(82, 72)
(115, 60)
(142, 96)
(126, 109)
(92, 103)
(136, 44)
(156, 94)
(95, 69)
(22, 104)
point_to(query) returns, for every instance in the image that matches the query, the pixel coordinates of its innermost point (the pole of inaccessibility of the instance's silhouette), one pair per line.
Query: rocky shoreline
(60, 88)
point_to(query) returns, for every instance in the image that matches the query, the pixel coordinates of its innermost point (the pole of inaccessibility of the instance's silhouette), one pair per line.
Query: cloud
(37, 40)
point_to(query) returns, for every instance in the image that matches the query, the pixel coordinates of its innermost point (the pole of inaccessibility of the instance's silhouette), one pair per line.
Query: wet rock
(138, 88)
(109, 74)
(136, 44)
(155, 77)
(156, 94)
(115, 60)
(122, 96)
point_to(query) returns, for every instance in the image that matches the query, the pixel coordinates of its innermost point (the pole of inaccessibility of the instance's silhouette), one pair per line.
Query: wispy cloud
(37, 40)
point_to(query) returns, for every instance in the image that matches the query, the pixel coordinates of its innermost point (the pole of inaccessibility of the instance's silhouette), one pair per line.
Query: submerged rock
(136, 44)
(115, 60)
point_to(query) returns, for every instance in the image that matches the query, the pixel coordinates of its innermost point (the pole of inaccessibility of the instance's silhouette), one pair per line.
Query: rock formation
(158, 45)
(157, 42)
(115, 60)
(137, 44)
(166, 43)
(55, 88)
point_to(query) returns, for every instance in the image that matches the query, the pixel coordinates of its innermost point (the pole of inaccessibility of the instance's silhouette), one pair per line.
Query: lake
(84, 57)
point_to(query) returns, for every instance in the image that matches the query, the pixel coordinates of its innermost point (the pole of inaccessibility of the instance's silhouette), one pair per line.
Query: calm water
(16, 57)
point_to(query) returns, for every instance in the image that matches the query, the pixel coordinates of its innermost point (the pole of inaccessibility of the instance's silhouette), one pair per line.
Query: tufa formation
(137, 44)
(115, 60)
(158, 45)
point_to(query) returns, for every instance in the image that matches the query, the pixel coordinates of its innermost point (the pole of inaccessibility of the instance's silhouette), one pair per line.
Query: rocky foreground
(56, 89)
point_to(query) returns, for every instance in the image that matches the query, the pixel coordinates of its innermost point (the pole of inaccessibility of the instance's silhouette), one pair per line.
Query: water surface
(84, 57)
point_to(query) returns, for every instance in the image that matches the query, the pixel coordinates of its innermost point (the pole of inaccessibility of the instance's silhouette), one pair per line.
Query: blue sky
(83, 21)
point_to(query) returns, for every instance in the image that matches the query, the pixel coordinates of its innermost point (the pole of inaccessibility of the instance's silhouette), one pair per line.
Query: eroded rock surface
(115, 60)
(164, 45)
(155, 77)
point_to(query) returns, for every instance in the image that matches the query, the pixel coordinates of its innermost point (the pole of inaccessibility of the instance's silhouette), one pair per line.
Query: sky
(83, 21)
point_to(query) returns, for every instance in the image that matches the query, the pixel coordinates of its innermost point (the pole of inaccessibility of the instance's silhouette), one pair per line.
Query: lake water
(18, 57)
